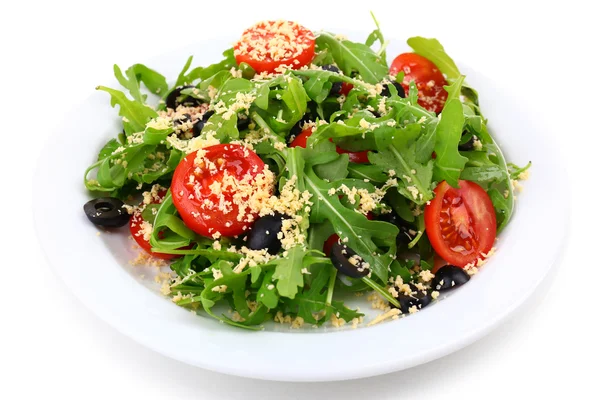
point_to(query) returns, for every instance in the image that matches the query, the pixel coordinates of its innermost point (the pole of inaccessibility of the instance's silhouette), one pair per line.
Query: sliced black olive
(243, 122)
(407, 233)
(347, 261)
(386, 90)
(175, 98)
(448, 277)
(107, 212)
(263, 234)
(418, 298)
(468, 146)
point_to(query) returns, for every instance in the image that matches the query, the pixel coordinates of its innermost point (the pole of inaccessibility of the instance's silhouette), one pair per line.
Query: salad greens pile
(400, 135)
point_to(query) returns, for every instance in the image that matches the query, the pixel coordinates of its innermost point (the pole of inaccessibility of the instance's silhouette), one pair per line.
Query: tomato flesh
(136, 225)
(428, 78)
(353, 156)
(270, 44)
(346, 88)
(461, 223)
(211, 194)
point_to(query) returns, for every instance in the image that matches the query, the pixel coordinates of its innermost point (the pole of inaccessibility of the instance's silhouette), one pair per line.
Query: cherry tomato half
(208, 193)
(353, 156)
(460, 222)
(137, 228)
(269, 44)
(427, 77)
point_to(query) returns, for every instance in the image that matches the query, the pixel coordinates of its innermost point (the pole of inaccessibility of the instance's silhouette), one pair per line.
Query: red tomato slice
(354, 156)
(269, 44)
(460, 222)
(427, 77)
(346, 88)
(209, 196)
(136, 227)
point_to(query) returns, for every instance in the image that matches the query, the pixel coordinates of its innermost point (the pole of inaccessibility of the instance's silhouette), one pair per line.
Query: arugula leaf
(136, 113)
(352, 225)
(155, 82)
(449, 163)
(352, 56)
(377, 35)
(374, 173)
(267, 294)
(434, 52)
(203, 73)
(288, 272)
(108, 149)
(399, 155)
(313, 299)
(174, 233)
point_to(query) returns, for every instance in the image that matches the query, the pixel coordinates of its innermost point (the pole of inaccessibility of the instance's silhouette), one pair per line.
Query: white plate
(96, 267)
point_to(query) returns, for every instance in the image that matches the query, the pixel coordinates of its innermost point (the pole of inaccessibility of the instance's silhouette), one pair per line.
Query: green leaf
(349, 224)
(138, 73)
(136, 113)
(374, 173)
(267, 294)
(434, 52)
(288, 272)
(414, 177)
(352, 56)
(449, 163)
(174, 232)
(454, 90)
(488, 173)
(204, 73)
(108, 149)
(333, 170)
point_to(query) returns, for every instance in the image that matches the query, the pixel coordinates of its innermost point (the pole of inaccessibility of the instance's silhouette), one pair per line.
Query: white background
(54, 53)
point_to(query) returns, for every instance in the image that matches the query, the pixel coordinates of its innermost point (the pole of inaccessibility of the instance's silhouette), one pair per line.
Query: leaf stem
(331, 285)
(381, 291)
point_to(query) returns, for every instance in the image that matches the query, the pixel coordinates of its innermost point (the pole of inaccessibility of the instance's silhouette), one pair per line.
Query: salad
(300, 168)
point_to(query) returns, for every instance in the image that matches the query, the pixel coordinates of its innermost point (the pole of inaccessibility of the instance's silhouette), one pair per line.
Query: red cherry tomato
(359, 157)
(346, 88)
(136, 227)
(269, 44)
(427, 77)
(208, 195)
(354, 156)
(460, 222)
(300, 140)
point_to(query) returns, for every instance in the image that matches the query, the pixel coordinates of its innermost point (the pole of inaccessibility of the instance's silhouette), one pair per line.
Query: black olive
(243, 122)
(336, 89)
(174, 99)
(448, 277)
(418, 298)
(263, 234)
(470, 145)
(407, 233)
(330, 68)
(107, 212)
(340, 256)
(181, 120)
(297, 128)
(199, 125)
(386, 90)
